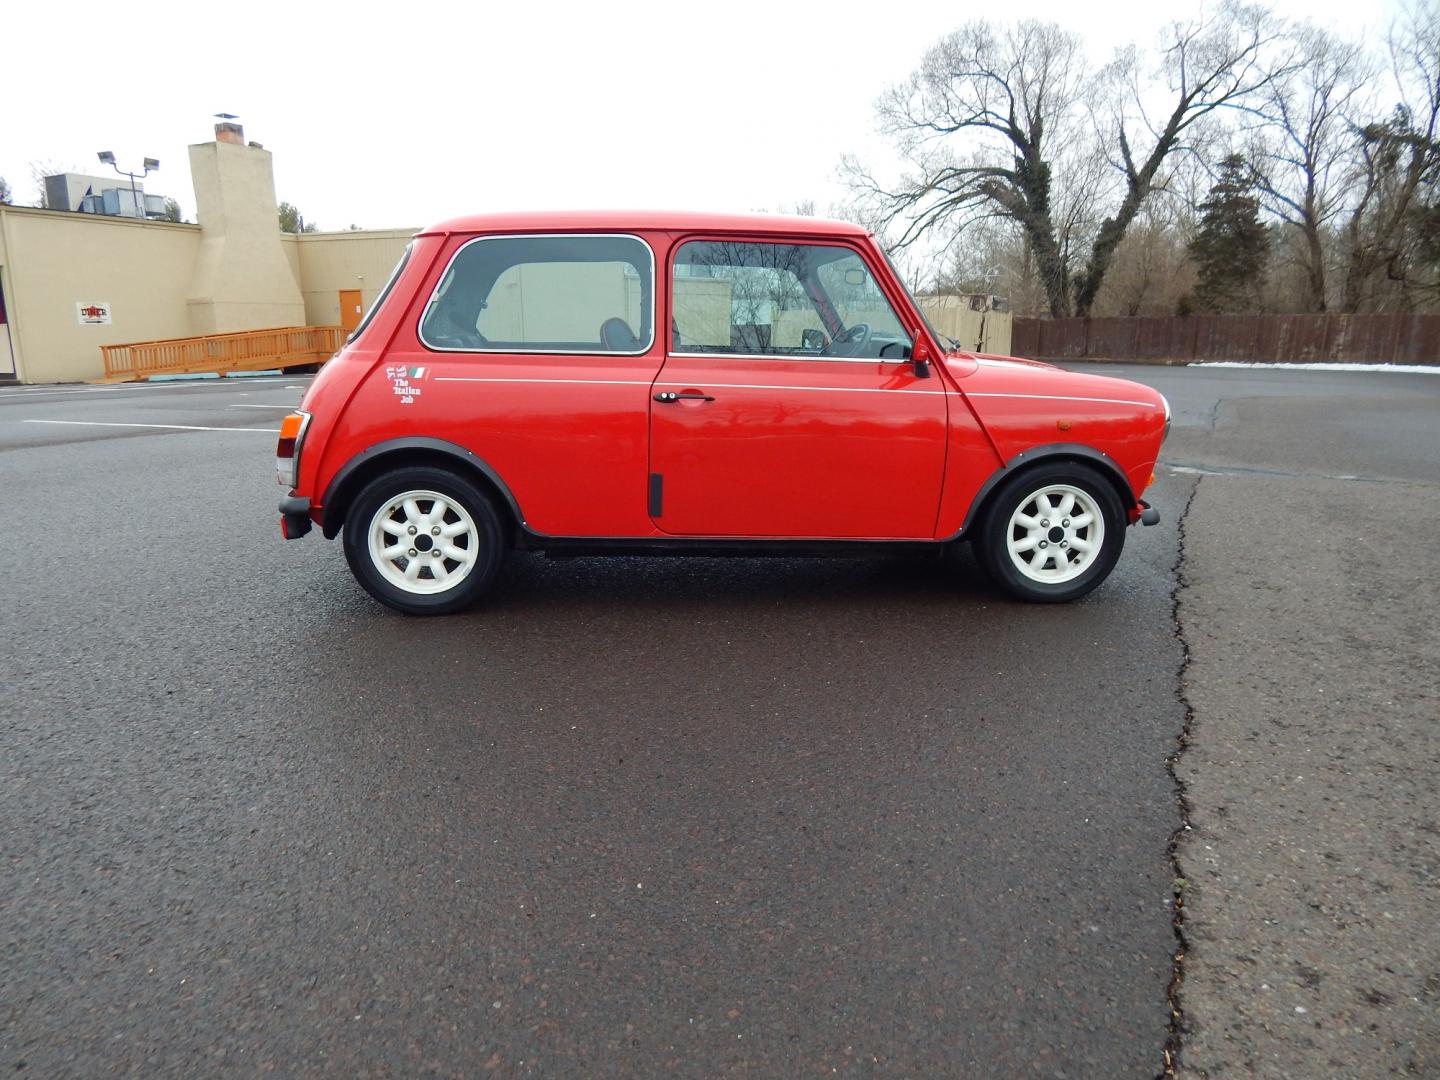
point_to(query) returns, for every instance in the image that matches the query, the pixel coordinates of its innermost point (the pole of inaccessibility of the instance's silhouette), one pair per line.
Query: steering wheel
(852, 341)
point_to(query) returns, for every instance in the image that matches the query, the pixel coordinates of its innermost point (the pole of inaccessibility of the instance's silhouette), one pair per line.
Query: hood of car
(996, 382)
(997, 359)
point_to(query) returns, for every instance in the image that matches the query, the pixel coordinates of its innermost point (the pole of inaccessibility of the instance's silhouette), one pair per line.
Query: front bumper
(295, 517)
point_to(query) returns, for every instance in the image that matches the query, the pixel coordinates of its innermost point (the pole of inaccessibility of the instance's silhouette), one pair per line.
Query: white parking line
(180, 384)
(162, 427)
(30, 393)
(35, 392)
(291, 407)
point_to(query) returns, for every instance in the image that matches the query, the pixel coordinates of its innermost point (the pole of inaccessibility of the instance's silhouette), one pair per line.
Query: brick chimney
(231, 133)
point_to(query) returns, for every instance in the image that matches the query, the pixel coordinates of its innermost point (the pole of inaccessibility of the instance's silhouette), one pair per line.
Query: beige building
(72, 282)
(63, 274)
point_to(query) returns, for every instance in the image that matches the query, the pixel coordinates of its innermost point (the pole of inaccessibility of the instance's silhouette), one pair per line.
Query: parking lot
(765, 817)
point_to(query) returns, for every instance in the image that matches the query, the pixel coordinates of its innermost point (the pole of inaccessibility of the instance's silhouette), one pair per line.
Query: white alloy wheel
(1055, 534)
(423, 542)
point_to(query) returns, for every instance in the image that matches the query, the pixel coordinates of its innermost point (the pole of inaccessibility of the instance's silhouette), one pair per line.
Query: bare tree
(1390, 230)
(1220, 61)
(1009, 94)
(5, 192)
(1303, 155)
(1013, 123)
(1151, 270)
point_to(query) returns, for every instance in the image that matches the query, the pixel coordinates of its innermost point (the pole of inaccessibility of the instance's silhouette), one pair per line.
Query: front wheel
(423, 541)
(1052, 533)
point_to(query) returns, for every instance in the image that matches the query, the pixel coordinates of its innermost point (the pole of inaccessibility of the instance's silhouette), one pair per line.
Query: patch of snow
(1413, 369)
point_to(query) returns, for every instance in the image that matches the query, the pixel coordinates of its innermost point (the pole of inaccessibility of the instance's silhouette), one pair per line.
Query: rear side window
(545, 294)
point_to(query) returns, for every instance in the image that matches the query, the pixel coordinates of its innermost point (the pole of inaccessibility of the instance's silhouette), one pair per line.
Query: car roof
(643, 220)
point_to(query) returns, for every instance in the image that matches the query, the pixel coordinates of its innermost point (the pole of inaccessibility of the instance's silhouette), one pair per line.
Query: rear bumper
(294, 517)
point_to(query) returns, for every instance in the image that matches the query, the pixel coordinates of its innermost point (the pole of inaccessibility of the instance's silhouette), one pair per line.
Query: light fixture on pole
(107, 157)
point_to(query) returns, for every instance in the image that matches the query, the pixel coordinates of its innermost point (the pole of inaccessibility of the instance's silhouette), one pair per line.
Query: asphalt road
(632, 817)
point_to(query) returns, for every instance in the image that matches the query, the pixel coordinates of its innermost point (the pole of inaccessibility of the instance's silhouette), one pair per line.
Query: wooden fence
(1395, 339)
(250, 350)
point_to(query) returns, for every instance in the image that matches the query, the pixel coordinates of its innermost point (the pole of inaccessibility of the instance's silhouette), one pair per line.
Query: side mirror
(920, 354)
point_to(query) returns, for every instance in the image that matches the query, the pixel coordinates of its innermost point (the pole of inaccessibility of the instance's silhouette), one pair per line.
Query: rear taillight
(287, 451)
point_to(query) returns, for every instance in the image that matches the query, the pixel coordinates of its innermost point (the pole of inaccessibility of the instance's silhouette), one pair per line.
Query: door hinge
(657, 494)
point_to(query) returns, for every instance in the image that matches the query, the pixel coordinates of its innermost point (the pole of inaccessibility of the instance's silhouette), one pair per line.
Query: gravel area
(1309, 608)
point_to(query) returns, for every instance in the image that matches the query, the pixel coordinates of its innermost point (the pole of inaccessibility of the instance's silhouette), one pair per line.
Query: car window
(856, 295)
(545, 294)
(784, 299)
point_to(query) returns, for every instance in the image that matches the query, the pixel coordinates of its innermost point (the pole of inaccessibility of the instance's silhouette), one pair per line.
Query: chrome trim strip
(419, 336)
(1066, 397)
(701, 382)
(580, 382)
(808, 358)
(827, 389)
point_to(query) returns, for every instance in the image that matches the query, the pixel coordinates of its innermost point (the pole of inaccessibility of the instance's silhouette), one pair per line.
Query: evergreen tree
(1232, 246)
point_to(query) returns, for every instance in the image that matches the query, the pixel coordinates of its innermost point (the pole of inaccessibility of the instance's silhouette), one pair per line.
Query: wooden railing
(249, 350)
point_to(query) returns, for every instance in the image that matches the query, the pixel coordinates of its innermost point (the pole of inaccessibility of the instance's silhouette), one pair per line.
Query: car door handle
(669, 397)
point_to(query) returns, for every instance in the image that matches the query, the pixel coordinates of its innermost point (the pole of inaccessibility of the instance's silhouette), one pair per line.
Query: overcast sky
(404, 114)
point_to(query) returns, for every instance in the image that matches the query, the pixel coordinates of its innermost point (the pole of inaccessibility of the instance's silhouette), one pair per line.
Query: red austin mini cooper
(699, 384)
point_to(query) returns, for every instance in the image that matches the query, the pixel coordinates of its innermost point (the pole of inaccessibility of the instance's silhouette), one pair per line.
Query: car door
(772, 418)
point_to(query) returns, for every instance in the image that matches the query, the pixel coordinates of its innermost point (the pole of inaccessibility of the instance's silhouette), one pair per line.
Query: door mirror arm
(920, 355)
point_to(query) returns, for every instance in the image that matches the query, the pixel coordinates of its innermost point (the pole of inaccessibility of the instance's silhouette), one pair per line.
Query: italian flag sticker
(417, 372)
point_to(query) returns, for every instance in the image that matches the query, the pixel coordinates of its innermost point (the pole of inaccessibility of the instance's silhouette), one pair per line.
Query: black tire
(995, 530)
(384, 579)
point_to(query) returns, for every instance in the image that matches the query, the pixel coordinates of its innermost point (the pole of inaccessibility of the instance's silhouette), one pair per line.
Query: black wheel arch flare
(391, 453)
(1037, 455)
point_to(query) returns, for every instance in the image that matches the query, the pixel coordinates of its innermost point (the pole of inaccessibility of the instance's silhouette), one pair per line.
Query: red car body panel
(789, 448)
(1027, 406)
(799, 448)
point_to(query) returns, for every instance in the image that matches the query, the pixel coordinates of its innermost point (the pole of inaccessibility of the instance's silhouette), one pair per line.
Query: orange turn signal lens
(289, 433)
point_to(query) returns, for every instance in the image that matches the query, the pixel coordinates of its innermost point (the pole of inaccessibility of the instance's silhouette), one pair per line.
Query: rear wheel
(423, 541)
(1052, 533)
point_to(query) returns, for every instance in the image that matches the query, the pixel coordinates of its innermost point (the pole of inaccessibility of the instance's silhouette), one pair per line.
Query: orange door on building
(350, 309)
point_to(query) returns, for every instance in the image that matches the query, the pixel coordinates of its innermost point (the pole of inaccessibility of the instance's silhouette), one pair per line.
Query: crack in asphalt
(1174, 1027)
(1214, 418)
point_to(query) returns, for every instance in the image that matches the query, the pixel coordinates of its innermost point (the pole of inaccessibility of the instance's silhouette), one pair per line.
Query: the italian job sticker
(404, 380)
